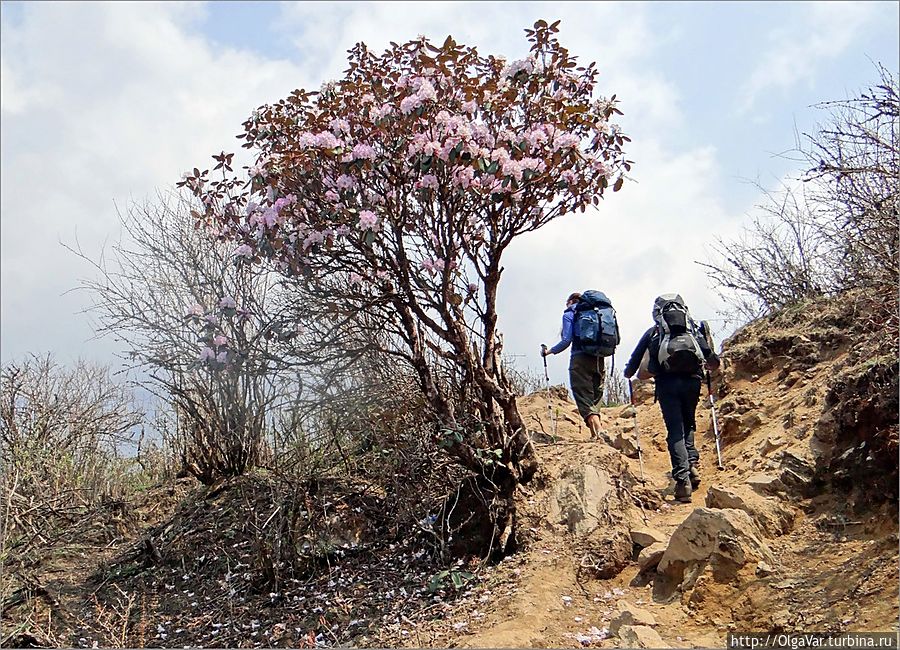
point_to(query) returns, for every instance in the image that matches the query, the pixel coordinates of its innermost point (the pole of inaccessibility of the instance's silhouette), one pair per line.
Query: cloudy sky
(106, 103)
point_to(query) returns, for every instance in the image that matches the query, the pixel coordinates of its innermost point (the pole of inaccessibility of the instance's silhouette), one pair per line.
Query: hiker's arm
(712, 359)
(635, 361)
(566, 340)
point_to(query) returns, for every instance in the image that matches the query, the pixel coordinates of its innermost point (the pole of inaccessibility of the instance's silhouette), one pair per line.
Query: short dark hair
(575, 296)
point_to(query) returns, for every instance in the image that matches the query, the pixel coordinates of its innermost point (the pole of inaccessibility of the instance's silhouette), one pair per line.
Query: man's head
(572, 299)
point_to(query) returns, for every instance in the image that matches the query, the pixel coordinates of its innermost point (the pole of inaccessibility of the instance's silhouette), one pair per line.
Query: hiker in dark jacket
(586, 372)
(677, 390)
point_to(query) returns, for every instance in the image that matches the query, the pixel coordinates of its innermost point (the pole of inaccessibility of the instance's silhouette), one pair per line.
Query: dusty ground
(198, 583)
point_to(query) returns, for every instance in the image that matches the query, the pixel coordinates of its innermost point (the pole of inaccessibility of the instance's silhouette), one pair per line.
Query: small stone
(763, 569)
(630, 615)
(645, 536)
(650, 556)
(641, 636)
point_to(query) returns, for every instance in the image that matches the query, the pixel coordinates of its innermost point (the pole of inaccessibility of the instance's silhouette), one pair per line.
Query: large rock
(769, 513)
(645, 536)
(649, 557)
(626, 442)
(726, 538)
(765, 484)
(641, 636)
(797, 472)
(629, 614)
(580, 499)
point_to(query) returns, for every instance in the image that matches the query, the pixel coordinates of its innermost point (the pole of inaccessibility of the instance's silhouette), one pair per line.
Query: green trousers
(586, 375)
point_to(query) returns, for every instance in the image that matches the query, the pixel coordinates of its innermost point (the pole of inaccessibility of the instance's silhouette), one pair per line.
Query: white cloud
(103, 102)
(798, 51)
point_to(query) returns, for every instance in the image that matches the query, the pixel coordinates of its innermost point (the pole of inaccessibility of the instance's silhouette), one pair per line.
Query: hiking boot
(597, 433)
(683, 491)
(695, 477)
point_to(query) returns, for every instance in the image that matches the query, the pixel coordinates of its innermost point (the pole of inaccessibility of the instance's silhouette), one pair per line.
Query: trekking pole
(549, 405)
(712, 405)
(637, 433)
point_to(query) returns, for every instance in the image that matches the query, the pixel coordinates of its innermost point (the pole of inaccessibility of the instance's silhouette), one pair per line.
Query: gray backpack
(676, 347)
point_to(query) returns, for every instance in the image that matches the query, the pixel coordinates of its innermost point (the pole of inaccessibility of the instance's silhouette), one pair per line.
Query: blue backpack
(595, 328)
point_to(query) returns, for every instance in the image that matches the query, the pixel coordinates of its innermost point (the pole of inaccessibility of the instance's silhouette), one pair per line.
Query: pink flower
(196, 310)
(363, 152)
(409, 104)
(207, 354)
(463, 177)
(355, 278)
(429, 181)
(569, 176)
(270, 217)
(314, 237)
(367, 220)
(380, 113)
(345, 182)
(222, 357)
(339, 125)
(600, 167)
(512, 69)
(220, 340)
(306, 140)
(227, 303)
(426, 90)
(565, 141)
(243, 251)
(326, 140)
(470, 107)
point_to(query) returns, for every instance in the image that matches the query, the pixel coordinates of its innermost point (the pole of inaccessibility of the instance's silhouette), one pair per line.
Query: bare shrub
(615, 388)
(839, 231)
(60, 435)
(203, 333)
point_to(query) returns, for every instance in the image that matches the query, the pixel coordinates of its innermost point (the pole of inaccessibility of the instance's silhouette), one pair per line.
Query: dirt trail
(831, 578)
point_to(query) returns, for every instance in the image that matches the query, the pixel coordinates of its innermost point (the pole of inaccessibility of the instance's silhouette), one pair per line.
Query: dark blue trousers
(678, 396)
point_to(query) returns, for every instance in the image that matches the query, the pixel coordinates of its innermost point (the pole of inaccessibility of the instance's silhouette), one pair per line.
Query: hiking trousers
(586, 376)
(678, 396)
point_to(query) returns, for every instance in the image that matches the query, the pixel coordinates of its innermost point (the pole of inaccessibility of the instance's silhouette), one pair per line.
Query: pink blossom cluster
(514, 68)
(376, 113)
(423, 90)
(323, 140)
(428, 181)
(363, 152)
(368, 220)
(483, 137)
(345, 182)
(339, 125)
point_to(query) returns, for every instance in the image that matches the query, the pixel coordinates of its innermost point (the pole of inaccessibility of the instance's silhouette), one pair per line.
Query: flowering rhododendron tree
(398, 188)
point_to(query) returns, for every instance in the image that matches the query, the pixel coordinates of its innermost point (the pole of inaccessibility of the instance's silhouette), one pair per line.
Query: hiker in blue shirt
(586, 372)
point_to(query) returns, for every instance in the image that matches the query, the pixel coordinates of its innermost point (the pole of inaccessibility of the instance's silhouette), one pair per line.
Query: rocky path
(746, 554)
